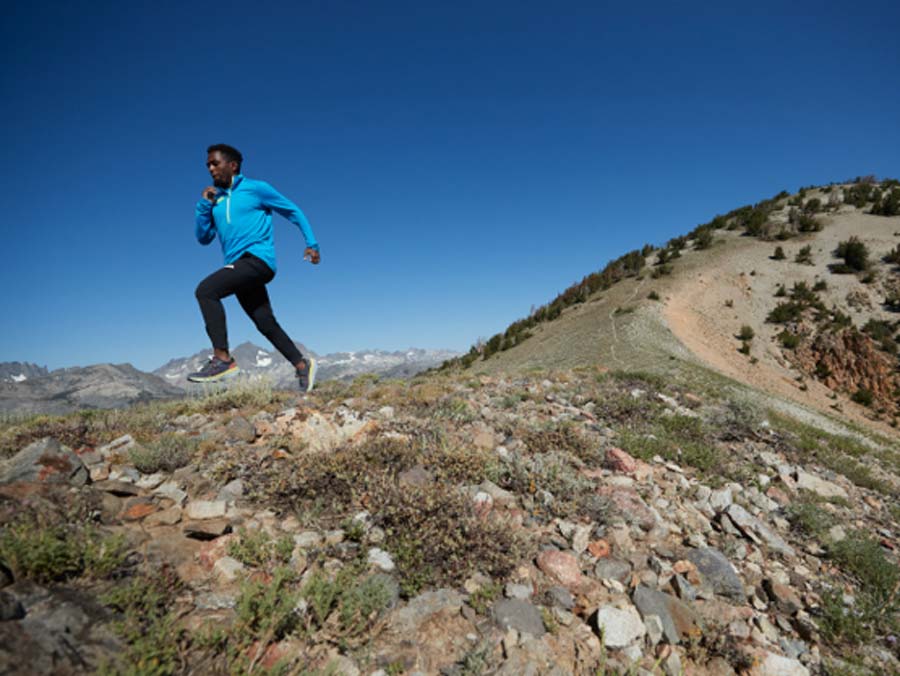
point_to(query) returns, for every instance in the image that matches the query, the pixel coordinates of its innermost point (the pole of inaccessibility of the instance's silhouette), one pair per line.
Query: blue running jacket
(242, 218)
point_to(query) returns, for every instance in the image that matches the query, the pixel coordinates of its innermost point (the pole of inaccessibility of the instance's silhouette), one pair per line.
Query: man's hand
(209, 193)
(312, 255)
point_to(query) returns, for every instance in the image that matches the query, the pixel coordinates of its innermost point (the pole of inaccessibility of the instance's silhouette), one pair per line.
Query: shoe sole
(220, 376)
(313, 366)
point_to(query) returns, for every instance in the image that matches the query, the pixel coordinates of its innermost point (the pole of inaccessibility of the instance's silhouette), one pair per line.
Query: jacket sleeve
(205, 229)
(274, 200)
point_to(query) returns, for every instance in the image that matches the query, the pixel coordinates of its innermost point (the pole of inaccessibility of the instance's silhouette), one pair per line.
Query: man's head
(223, 163)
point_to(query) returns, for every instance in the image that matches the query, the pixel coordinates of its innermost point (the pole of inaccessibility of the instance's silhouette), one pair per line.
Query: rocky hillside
(574, 522)
(795, 296)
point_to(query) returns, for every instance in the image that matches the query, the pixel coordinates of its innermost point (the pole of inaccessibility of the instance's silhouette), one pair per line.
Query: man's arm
(274, 200)
(205, 229)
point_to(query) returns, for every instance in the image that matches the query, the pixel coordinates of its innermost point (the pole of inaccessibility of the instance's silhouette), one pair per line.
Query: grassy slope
(594, 333)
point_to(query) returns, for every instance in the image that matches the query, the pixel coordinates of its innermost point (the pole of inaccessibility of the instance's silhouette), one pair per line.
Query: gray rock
(45, 461)
(825, 489)
(409, 618)
(150, 481)
(207, 529)
(612, 569)
(205, 509)
(619, 627)
(561, 597)
(519, 615)
(120, 445)
(172, 491)
(240, 429)
(381, 560)
(122, 489)
(683, 588)
(308, 539)
(518, 591)
(675, 616)
(720, 499)
(231, 491)
(776, 665)
(758, 532)
(718, 572)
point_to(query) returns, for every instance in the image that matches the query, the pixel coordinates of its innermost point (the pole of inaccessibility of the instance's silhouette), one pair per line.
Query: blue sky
(459, 161)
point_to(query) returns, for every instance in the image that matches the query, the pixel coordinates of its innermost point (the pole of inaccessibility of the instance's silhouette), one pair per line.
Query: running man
(239, 210)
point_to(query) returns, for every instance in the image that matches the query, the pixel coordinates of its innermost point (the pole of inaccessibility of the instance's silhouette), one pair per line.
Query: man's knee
(205, 290)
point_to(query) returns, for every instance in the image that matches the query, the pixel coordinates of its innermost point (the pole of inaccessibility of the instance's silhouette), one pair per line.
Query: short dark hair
(230, 153)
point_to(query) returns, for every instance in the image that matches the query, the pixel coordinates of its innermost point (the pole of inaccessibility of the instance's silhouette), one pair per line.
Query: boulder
(45, 461)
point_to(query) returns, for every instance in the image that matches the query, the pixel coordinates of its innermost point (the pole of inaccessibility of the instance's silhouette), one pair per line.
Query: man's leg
(255, 301)
(210, 292)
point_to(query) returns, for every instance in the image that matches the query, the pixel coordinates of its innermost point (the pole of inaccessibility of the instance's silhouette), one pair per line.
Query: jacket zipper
(228, 207)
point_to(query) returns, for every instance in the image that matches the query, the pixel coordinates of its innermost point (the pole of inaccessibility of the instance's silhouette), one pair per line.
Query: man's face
(220, 169)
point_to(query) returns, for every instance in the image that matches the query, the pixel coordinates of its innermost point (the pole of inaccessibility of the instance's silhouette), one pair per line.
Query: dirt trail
(708, 304)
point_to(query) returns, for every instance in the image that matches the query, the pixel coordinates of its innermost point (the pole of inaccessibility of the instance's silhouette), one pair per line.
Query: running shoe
(306, 374)
(214, 369)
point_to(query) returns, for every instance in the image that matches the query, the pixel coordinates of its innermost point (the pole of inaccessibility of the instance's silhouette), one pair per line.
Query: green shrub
(788, 340)
(147, 623)
(784, 312)
(807, 516)
(780, 292)
(887, 205)
(876, 605)
(804, 256)
(744, 348)
(703, 239)
(653, 295)
(813, 206)
(820, 285)
(779, 254)
(355, 599)
(859, 195)
(48, 553)
(165, 454)
(258, 549)
(855, 254)
(746, 333)
(436, 539)
(863, 396)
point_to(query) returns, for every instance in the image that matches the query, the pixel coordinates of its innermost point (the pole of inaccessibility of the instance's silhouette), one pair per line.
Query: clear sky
(459, 161)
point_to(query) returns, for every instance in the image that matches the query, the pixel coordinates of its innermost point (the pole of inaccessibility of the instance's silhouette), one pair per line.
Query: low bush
(784, 312)
(148, 624)
(258, 549)
(165, 454)
(788, 340)
(48, 553)
(746, 333)
(804, 256)
(855, 254)
(863, 396)
(436, 539)
(779, 254)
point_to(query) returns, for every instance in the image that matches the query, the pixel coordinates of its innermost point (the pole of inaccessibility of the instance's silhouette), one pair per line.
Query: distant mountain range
(71, 389)
(257, 361)
(27, 388)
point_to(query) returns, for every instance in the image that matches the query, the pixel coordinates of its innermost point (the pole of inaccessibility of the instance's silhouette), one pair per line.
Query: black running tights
(246, 278)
